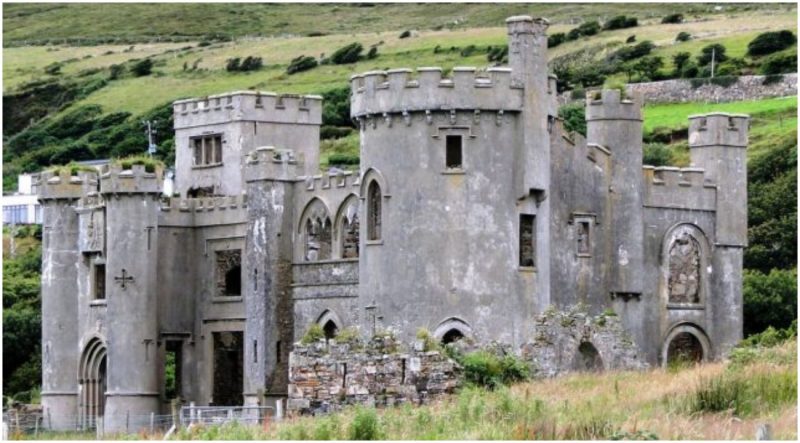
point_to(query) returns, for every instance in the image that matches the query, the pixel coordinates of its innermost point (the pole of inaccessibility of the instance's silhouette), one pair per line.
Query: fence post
(191, 413)
(99, 427)
(764, 432)
(49, 419)
(152, 422)
(16, 420)
(278, 409)
(175, 417)
(36, 427)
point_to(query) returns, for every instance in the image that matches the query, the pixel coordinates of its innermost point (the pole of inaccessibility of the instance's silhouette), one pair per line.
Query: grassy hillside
(42, 23)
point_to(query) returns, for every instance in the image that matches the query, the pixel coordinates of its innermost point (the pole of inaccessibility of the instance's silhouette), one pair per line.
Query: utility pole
(151, 132)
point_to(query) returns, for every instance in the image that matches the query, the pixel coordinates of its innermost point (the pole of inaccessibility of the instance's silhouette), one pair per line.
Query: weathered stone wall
(561, 340)
(325, 376)
(748, 87)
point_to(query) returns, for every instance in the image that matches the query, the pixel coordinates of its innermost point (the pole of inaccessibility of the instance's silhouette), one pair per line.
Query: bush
(718, 51)
(574, 116)
(365, 425)
(53, 69)
(769, 299)
(332, 132)
(336, 107)
(620, 22)
(250, 63)
(680, 60)
(770, 42)
(300, 64)
(313, 334)
(115, 71)
(779, 64)
(573, 34)
(628, 53)
(498, 54)
(589, 28)
(405, 34)
(348, 54)
(770, 337)
(469, 50)
(656, 154)
(556, 39)
(372, 53)
(772, 78)
(683, 37)
(631, 39)
(343, 159)
(142, 68)
(150, 164)
(488, 370)
(672, 19)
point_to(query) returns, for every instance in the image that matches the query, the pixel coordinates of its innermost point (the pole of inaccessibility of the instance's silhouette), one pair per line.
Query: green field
(763, 112)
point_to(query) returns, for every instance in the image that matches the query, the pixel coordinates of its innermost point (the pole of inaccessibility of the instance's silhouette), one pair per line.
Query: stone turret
(616, 123)
(58, 194)
(132, 205)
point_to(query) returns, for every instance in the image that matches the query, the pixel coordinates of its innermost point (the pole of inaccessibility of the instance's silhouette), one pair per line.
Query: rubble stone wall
(323, 377)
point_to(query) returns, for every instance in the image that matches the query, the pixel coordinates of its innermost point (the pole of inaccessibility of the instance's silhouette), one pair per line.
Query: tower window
(453, 155)
(229, 273)
(99, 282)
(527, 240)
(207, 149)
(374, 211)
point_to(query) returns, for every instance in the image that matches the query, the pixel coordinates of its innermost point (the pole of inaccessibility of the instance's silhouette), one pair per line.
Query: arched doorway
(451, 336)
(330, 329)
(92, 383)
(685, 347)
(587, 359)
(685, 343)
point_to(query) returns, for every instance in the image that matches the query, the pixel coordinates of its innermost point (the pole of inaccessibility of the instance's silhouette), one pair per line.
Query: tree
(683, 37)
(142, 68)
(770, 42)
(300, 64)
(648, 67)
(769, 299)
(574, 116)
(348, 54)
(555, 39)
(716, 50)
(680, 60)
(620, 22)
(589, 28)
(672, 19)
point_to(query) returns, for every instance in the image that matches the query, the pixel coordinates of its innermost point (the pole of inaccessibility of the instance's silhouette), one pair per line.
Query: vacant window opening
(318, 239)
(172, 369)
(684, 348)
(374, 211)
(229, 273)
(583, 237)
(330, 329)
(228, 377)
(278, 351)
(453, 153)
(207, 191)
(233, 281)
(452, 336)
(588, 359)
(527, 240)
(207, 149)
(99, 281)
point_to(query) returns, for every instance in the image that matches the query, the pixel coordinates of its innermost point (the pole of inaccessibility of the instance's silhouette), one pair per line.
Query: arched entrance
(587, 359)
(451, 336)
(451, 330)
(685, 343)
(92, 383)
(330, 329)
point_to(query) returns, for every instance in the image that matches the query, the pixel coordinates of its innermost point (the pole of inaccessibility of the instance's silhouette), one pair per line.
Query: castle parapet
(718, 129)
(332, 180)
(136, 180)
(270, 163)
(248, 106)
(611, 106)
(62, 184)
(680, 188)
(395, 91)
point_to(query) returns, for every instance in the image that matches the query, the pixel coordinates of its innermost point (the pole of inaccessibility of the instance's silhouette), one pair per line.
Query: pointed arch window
(318, 239)
(374, 219)
(348, 228)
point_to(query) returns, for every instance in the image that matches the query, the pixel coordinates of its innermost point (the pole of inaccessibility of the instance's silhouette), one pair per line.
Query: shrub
(573, 34)
(332, 132)
(250, 63)
(405, 34)
(348, 54)
(343, 159)
(770, 337)
(620, 22)
(488, 370)
(365, 425)
(631, 39)
(115, 71)
(724, 80)
(769, 299)
(348, 335)
(772, 78)
(300, 64)
(469, 50)
(203, 44)
(589, 28)
(672, 19)
(142, 68)
(336, 107)
(680, 61)
(770, 42)
(656, 154)
(628, 53)
(313, 334)
(428, 342)
(150, 164)
(683, 37)
(53, 69)
(498, 54)
(779, 64)
(718, 51)
(574, 116)
(556, 39)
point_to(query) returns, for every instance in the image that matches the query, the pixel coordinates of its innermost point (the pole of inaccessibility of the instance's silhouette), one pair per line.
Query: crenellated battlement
(718, 129)
(332, 180)
(203, 204)
(611, 106)
(62, 184)
(397, 91)
(672, 187)
(248, 106)
(271, 163)
(136, 180)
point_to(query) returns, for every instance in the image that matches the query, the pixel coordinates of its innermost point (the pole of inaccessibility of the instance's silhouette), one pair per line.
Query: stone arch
(687, 341)
(373, 174)
(684, 262)
(347, 227)
(452, 329)
(587, 358)
(374, 210)
(330, 322)
(316, 231)
(92, 370)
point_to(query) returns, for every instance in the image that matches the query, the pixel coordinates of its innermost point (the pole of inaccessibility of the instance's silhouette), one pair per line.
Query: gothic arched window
(684, 270)
(374, 211)
(348, 228)
(317, 231)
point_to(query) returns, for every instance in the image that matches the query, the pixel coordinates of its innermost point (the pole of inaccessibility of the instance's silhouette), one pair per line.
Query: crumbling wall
(572, 340)
(324, 376)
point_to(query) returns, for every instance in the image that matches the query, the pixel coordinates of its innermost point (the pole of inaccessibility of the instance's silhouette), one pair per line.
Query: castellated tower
(616, 124)
(132, 208)
(58, 194)
(455, 175)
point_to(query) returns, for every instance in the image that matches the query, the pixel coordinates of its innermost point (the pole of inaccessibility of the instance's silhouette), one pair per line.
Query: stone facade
(473, 212)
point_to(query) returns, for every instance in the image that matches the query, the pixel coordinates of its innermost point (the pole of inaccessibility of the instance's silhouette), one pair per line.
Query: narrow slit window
(527, 240)
(374, 211)
(584, 237)
(453, 155)
(100, 282)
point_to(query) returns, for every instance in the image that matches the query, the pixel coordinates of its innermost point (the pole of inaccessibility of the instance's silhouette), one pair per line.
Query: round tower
(454, 230)
(132, 205)
(58, 194)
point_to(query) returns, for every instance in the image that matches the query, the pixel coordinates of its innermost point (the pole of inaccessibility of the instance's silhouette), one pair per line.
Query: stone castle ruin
(474, 215)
